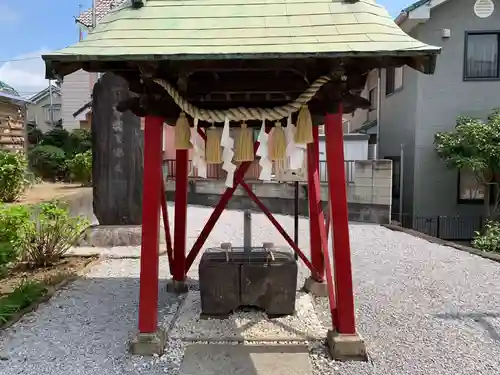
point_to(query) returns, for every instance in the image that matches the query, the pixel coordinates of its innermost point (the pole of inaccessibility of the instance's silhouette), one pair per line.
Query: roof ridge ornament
(136, 4)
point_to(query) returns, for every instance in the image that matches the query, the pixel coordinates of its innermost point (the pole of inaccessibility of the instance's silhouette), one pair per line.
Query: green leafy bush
(14, 220)
(48, 162)
(80, 168)
(13, 181)
(489, 238)
(78, 142)
(24, 295)
(35, 135)
(51, 233)
(57, 137)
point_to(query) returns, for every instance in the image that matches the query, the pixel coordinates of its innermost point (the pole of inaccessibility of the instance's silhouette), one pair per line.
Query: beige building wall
(39, 114)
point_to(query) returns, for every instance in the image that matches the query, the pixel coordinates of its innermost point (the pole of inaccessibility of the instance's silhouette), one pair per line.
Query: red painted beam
(212, 220)
(339, 218)
(280, 229)
(315, 211)
(323, 229)
(150, 246)
(166, 226)
(180, 218)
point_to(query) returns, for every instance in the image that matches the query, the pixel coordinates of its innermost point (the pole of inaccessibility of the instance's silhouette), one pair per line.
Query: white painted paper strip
(262, 152)
(227, 153)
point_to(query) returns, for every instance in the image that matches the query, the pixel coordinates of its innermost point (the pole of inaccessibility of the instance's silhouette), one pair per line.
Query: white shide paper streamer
(295, 152)
(227, 153)
(262, 152)
(199, 161)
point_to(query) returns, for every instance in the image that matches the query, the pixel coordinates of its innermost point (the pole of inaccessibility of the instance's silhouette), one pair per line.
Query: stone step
(222, 359)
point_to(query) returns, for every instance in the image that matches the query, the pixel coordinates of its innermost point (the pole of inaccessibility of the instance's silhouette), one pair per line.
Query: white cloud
(7, 15)
(26, 73)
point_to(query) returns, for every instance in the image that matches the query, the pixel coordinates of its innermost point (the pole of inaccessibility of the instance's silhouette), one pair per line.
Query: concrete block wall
(368, 194)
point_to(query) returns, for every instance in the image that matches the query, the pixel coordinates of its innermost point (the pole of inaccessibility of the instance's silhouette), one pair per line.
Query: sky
(29, 28)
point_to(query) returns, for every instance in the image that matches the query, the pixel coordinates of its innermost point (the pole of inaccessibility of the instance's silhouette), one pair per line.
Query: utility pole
(51, 108)
(94, 14)
(80, 32)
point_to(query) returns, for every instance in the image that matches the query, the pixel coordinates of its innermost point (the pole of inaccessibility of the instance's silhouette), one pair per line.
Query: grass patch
(26, 294)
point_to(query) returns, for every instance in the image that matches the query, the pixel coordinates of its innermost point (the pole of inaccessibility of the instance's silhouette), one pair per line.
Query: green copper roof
(241, 29)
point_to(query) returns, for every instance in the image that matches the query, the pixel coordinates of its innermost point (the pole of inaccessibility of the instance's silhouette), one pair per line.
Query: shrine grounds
(422, 308)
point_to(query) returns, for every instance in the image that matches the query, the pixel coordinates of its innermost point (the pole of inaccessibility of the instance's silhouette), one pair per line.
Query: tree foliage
(475, 145)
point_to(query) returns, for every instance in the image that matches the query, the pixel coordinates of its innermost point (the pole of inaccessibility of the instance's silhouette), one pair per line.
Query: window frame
(466, 39)
(476, 201)
(394, 88)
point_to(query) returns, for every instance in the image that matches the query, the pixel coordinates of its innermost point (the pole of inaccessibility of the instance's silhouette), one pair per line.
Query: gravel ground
(422, 309)
(303, 326)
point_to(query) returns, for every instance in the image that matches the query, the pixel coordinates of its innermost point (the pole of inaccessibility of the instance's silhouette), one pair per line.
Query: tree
(475, 145)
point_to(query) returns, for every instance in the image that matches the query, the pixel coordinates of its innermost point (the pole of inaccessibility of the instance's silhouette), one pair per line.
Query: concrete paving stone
(216, 359)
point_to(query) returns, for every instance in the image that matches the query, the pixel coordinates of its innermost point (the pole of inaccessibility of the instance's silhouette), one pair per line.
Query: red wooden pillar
(180, 218)
(315, 211)
(339, 220)
(150, 246)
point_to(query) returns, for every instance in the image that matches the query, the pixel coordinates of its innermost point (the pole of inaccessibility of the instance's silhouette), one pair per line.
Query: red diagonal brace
(212, 220)
(166, 225)
(277, 225)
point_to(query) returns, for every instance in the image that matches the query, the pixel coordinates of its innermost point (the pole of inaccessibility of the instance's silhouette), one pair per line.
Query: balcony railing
(215, 171)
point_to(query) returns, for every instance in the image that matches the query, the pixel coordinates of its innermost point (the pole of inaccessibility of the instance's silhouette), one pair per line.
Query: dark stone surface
(247, 278)
(365, 213)
(117, 141)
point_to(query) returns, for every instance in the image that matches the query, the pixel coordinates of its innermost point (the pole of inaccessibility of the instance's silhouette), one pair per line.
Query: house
(12, 114)
(77, 87)
(40, 107)
(412, 107)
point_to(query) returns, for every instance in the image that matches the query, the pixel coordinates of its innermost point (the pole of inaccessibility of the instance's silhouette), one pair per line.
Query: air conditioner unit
(284, 174)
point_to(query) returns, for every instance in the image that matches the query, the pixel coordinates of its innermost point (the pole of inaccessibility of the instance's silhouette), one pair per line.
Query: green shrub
(80, 168)
(78, 142)
(489, 238)
(51, 233)
(13, 181)
(56, 137)
(14, 221)
(35, 135)
(48, 162)
(24, 295)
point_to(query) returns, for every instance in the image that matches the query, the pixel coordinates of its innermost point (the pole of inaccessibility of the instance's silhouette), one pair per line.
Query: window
(393, 80)
(481, 56)
(469, 189)
(56, 110)
(372, 97)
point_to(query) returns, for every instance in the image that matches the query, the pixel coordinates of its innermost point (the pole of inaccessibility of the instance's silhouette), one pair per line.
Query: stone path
(422, 309)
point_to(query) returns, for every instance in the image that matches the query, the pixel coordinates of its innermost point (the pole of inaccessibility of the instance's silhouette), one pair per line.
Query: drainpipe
(94, 13)
(379, 97)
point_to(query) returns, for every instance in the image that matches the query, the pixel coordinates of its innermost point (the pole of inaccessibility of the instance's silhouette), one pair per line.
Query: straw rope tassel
(277, 144)
(213, 150)
(182, 133)
(244, 144)
(303, 133)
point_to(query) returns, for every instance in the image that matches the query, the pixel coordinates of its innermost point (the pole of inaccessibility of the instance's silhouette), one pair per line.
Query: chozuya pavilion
(280, 66)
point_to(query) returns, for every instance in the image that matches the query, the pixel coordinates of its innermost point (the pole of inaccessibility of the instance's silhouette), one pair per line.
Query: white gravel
(304, 325)
(421, 308)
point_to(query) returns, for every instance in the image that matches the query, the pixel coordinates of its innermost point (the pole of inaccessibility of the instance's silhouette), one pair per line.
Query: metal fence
(449, 228)
(215, 171)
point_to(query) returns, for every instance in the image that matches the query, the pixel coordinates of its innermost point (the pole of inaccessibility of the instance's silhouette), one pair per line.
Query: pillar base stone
(316, 288)
(177, 287)
(344, 347)
(148, 344)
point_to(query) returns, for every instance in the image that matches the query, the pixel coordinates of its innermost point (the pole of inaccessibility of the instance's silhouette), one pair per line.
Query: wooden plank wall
(12, 135)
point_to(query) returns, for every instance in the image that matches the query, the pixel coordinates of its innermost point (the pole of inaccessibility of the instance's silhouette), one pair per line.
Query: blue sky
(32, 27)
